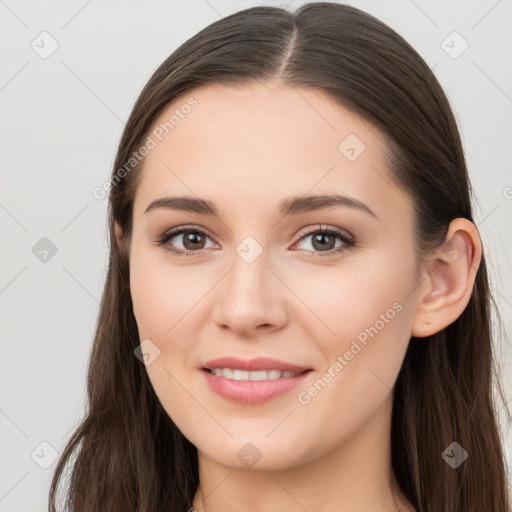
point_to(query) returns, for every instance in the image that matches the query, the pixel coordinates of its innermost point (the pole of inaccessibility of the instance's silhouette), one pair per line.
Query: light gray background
(62, 117)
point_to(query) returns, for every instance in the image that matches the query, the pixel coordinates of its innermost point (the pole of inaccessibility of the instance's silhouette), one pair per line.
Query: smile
(252, 387)
(239, 375)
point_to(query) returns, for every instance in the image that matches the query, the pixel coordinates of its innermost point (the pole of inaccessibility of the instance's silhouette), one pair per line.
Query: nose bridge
(249, 296)
(249, 276)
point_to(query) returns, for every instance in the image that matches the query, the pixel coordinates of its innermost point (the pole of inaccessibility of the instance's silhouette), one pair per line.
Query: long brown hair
(127, 455)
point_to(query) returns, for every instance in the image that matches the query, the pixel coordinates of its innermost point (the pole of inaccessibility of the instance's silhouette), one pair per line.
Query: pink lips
(259, 363)
(253, 392)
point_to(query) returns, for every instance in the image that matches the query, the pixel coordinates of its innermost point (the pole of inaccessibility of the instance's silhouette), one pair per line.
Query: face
(325, 286)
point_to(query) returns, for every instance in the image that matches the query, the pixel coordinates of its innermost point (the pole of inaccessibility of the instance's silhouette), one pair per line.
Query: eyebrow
(289, 206)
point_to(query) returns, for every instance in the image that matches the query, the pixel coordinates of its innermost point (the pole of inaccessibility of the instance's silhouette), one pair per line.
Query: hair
(127, 455)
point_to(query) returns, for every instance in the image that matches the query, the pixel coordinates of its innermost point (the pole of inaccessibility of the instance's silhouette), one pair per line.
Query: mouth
(244, 387)
(237, 374)
(252, 381)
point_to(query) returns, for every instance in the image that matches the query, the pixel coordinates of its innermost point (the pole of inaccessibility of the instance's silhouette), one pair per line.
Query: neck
(355, 475)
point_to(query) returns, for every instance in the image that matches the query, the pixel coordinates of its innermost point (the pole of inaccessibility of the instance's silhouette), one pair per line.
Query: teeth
(229, 373)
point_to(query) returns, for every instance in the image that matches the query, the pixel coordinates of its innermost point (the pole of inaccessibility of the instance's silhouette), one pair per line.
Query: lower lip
(252, 391)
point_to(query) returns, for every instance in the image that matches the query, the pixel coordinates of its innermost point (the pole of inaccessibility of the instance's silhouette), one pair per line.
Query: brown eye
(323, 241)
(192, 241)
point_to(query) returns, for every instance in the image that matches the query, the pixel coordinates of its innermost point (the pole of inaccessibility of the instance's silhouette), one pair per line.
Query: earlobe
(118, 234)
(451, 273)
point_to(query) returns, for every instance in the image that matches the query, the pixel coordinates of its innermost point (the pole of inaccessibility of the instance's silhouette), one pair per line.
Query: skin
(245, 149)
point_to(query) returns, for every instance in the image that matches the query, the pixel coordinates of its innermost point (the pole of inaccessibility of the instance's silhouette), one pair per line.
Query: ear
(446, 290)
(119, 234)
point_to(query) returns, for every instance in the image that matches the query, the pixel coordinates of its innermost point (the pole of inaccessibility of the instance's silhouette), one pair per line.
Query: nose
(251, 299)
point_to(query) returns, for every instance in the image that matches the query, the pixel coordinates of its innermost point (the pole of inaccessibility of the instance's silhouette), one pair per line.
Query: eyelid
(188, 227)
(325, 228)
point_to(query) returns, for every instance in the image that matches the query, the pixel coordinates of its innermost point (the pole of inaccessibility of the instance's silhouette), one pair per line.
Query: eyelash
(348, 243)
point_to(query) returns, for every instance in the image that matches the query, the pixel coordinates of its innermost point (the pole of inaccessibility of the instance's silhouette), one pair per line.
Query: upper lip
(258, 363)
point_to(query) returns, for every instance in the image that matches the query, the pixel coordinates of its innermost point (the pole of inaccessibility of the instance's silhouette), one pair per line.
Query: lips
(249, 392)
(258, 363)
(253, 381)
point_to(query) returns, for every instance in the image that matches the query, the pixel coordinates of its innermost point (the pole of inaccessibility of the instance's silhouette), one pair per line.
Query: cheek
(363, 316)
(162, 294)
(369, 319)
(163, 300)
(345, 301)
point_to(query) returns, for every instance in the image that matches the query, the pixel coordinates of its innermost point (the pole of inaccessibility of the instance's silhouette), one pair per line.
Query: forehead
(243, 144)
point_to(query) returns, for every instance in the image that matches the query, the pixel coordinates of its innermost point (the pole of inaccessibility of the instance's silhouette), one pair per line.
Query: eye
(323, 242)
(193, 241)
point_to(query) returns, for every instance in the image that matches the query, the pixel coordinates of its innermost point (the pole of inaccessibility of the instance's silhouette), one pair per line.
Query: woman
(297, 309)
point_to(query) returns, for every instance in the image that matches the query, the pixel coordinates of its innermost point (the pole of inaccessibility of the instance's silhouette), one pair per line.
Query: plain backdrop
(69, 75)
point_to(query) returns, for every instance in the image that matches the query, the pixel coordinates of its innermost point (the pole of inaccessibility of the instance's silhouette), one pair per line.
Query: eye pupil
(192, 237)
(319, 237)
